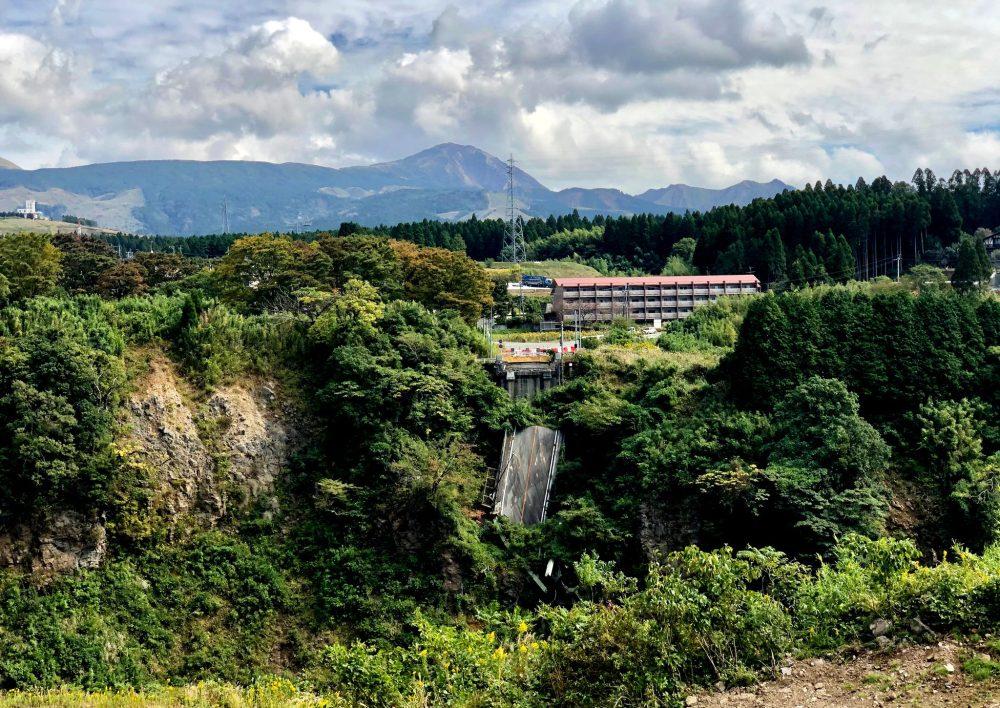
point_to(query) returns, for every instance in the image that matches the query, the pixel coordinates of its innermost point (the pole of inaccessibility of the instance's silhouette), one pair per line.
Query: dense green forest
(822, 233)
(773, 475)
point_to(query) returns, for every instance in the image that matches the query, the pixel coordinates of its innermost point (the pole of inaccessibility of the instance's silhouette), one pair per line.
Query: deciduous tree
(263, 272)
(29, 263)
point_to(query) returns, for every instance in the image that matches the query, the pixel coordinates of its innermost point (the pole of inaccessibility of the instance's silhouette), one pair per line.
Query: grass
(981, 669)
(12, 225)
(268, 693)
(550, 269)
(877, 679)
(940, 670)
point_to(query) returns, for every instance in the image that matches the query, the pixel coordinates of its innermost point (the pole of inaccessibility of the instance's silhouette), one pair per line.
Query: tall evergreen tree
(973, 270)
(771, 258)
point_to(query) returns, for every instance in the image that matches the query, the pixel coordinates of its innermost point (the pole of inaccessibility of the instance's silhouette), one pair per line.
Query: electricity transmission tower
(225, 216)
(513, 250)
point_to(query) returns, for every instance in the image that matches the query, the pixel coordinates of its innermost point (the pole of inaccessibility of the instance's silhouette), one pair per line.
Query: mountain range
(446, 182)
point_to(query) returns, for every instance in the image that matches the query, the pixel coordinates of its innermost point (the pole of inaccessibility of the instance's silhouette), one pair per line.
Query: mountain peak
(448, 181)
(456, 166)
(7, 165)
(453, 148)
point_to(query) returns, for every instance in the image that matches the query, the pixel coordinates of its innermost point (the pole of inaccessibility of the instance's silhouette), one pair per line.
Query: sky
(632, 94)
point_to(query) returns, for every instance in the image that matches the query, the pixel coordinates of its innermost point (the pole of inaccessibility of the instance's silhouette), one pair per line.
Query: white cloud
(288, 47)
(65, 11)
(34, 79)
(251, 87)
(631, 93)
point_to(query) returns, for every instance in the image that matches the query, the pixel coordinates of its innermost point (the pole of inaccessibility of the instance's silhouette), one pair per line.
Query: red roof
(662, 280)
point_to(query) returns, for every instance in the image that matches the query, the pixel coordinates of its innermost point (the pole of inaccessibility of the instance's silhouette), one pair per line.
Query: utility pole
(489, 332)
(559, 354)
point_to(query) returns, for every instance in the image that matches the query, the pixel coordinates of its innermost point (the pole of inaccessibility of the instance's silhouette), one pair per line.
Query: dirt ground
(948, 673)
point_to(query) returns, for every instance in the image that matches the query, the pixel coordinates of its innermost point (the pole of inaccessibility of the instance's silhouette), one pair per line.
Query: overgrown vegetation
(729, 493)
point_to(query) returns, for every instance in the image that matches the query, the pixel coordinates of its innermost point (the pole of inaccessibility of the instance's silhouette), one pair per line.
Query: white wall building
(30, 210)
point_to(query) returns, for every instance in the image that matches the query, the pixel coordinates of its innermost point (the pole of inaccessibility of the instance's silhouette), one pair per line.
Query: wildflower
(491, 636)
(423, 652)
(522, 628)
(523, 649)
(499, 653)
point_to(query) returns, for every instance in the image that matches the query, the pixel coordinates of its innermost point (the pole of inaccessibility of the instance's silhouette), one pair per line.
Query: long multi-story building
(650, 300)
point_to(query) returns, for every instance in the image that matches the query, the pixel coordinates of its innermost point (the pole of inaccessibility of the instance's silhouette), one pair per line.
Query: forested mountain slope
(821, 234)
(264, 470)
(446, 182)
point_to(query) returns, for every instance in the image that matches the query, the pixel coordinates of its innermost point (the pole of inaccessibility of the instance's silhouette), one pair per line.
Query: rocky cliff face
(205, 455)
(57, 543)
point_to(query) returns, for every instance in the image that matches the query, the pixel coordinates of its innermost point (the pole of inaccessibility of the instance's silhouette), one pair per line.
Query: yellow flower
(522, 628)
(423, 652)
(491, 636)
(523, 649)
(499, 653)
(534, 645)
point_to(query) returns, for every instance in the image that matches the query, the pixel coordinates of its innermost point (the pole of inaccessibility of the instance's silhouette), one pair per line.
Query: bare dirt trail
(925, 675)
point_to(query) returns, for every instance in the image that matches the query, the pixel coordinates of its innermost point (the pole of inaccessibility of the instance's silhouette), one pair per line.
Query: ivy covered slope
(254, 479)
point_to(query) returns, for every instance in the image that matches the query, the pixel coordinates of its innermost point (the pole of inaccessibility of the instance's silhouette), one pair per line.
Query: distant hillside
(681, 197)
(19, 226)
(447, 182)
(7, 165)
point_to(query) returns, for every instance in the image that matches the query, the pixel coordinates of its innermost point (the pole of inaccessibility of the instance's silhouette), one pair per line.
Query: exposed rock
(206, 457)
(666, 527)
(201, 458)
(57, 543)
(69, 541)
(17, 546)
(255, 440)
(167, 441)
(880, 627)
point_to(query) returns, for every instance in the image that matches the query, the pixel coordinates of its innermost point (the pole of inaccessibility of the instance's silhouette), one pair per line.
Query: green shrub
(883, 578)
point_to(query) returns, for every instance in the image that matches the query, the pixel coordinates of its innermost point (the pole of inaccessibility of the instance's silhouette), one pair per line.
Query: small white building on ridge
(30, 210)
